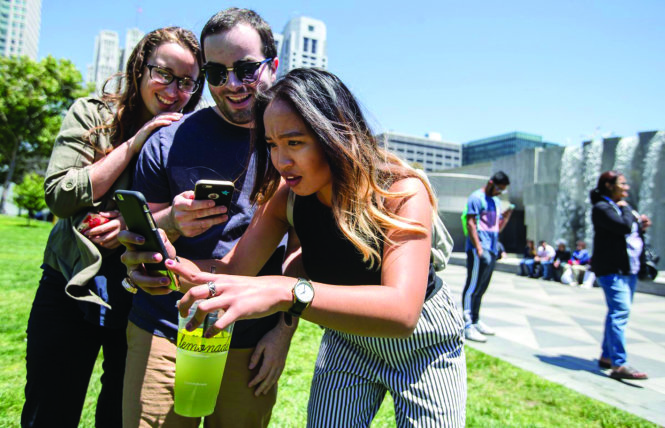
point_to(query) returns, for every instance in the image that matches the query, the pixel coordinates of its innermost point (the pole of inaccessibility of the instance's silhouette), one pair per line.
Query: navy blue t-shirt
(201, 145)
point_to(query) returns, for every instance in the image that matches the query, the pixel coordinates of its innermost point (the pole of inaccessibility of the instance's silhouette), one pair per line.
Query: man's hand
(190, 217)
(271, 352)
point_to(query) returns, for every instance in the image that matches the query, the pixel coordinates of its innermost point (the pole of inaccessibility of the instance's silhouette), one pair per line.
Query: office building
(430, 152)
(20, 21)
(106, 58)
(488, 149)
(109, 58)
(279, 39)
(132, 38)
(303, 44)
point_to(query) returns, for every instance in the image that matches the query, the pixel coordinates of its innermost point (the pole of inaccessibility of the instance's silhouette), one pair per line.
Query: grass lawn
(499, 394)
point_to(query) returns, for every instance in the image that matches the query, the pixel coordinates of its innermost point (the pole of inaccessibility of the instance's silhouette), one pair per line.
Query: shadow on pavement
(575, 363)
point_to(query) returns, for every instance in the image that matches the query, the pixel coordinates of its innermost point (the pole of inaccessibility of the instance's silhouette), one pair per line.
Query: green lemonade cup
(199, 366)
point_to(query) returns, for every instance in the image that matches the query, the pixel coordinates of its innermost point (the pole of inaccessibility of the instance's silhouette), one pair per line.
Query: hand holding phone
(138, 218)
(216, 190)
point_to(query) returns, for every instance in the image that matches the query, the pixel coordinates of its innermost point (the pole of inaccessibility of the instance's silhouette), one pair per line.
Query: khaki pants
(148, 388)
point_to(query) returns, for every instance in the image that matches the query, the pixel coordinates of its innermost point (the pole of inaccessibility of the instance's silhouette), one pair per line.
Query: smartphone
(138, 218)
(217, 190)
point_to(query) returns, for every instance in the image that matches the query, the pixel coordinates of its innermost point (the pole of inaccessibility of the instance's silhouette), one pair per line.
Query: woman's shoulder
(91, 109)
(411, 184)
(601, 204)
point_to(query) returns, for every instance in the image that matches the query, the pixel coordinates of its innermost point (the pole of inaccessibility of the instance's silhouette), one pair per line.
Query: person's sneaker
(471, 333)
(484, 328)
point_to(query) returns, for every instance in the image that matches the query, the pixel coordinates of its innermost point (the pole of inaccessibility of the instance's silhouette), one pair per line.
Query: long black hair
(602, 189)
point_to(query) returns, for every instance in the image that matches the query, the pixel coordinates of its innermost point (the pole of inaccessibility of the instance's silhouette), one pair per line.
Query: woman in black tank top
(363, 218)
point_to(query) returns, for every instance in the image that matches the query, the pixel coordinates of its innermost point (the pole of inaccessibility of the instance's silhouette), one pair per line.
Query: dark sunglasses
(246, 72)
(165, 77)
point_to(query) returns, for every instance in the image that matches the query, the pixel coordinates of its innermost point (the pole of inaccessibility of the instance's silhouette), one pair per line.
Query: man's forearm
(165, 222)
(504, 221)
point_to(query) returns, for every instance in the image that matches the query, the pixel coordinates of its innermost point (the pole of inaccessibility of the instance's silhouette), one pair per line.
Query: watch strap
(298, 305)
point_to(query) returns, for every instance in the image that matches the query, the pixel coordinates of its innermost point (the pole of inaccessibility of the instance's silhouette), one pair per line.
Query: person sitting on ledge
(579, 261)
(561, 258)
(544, 256)
(526, 264)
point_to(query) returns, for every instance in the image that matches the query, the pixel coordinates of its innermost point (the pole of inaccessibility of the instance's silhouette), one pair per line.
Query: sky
(568, 70)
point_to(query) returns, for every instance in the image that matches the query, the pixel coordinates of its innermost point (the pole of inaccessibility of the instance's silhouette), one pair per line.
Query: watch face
(304, 292)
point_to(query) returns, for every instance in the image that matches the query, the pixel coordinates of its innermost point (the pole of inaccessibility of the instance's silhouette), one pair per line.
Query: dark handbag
(648, 264)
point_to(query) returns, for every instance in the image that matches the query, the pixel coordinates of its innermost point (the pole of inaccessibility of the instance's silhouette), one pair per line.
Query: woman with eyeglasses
(363, 218)
(618, 248)
(80, 305)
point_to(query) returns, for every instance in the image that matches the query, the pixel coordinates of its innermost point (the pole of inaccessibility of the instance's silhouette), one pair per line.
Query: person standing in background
(617, 249)
(484, 221)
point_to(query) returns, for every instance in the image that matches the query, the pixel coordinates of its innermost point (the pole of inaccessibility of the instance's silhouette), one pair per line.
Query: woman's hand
(106, 235)
(151, 282)
(645, 221)
(240, 297)
(136, 142)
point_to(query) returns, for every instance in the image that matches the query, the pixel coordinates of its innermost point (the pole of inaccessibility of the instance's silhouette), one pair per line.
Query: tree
(29, 195)
(34, 97)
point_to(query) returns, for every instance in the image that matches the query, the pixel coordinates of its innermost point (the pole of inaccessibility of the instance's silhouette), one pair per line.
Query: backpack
(442, 242)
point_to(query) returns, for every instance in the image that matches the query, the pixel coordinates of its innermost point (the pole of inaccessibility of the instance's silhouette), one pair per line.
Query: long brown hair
(127, 101)
(362, 171)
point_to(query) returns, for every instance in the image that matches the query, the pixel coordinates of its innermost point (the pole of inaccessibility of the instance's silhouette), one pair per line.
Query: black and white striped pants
(425, 373)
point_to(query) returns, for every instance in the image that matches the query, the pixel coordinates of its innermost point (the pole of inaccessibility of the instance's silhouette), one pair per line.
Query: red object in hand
(90, 221)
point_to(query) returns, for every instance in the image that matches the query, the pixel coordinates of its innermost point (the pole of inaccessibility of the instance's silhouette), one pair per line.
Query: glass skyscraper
(20, 21)
(488, 149)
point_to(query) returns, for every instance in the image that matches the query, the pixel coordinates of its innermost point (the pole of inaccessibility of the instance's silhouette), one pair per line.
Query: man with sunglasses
(483, 220)
(212, 143)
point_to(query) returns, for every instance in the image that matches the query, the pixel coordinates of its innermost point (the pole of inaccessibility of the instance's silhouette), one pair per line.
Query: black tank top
(328, 256)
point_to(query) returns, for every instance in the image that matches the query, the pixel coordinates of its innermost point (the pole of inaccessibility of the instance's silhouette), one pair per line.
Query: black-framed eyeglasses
(165, 77)
(246, 72)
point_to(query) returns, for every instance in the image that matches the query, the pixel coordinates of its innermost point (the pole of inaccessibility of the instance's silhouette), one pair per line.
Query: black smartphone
(217, 190)
(138, 218)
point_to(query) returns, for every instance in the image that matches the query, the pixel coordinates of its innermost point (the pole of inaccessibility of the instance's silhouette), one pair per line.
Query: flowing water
(651, 160)
(624, 154)
(593, 156)
(569, 211)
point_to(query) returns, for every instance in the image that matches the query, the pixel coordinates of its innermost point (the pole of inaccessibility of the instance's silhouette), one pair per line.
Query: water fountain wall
(550, 187)
(652, 191)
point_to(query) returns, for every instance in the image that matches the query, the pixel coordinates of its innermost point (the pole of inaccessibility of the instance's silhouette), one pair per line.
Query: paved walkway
(555, 331)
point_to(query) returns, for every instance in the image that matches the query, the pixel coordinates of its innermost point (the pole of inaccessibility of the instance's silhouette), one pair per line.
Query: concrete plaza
(555, 331)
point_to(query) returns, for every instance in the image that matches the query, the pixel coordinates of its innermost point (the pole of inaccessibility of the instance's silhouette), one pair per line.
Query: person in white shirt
(545, 255)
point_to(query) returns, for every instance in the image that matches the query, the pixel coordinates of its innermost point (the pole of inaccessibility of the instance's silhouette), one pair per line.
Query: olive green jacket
(69, 195)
